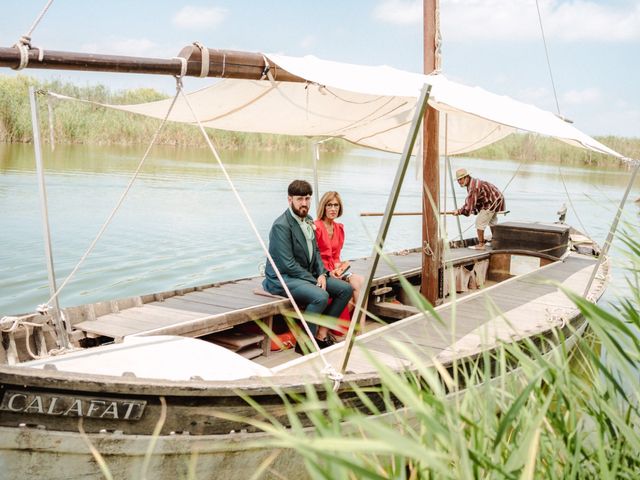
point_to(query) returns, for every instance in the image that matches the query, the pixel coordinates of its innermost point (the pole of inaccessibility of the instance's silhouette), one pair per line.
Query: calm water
(181, 225)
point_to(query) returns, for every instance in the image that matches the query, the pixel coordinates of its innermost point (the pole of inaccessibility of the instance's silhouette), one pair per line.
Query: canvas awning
(368, 106)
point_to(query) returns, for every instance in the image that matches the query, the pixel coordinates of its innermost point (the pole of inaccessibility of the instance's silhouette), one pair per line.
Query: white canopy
(369, 106)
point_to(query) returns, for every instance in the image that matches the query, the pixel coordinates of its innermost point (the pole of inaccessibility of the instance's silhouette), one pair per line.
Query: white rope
(37, 20)
(546, 51)
(11, 324)
(122, 197)
(204, 59)
(438, 40)
(183, 67)
(327, 367)
(333, 375)
(24, 43)
(573, 208)
(24, 55)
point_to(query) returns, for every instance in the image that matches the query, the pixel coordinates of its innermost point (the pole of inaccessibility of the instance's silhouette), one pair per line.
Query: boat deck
(200, 311)
(516, 308)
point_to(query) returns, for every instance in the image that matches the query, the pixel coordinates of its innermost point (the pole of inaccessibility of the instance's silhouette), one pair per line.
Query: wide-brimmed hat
(461, 173)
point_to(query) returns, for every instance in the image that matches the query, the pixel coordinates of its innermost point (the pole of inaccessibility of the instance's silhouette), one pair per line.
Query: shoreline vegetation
(80, 123)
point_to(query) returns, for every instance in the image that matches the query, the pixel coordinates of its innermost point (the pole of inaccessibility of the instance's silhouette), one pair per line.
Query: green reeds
(533, 409)
(538, 149)
(75, 122)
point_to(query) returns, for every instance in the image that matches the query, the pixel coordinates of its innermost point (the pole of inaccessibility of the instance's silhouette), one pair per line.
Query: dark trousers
(317, 299)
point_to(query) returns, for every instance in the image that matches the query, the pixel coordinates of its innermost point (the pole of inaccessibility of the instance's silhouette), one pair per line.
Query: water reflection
(181, 225)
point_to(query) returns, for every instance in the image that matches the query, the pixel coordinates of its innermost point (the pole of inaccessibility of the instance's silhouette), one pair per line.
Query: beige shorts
(486, 218)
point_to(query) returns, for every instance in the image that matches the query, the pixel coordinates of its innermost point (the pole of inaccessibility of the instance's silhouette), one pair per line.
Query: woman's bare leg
(356, 281)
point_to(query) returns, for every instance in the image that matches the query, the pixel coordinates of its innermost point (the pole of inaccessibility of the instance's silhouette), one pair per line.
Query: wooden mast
(430, 169)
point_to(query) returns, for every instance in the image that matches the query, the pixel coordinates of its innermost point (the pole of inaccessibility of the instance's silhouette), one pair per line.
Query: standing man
(483, 199)
(293, 247)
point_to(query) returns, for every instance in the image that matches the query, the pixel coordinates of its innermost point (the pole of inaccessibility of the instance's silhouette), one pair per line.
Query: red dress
(330, 249)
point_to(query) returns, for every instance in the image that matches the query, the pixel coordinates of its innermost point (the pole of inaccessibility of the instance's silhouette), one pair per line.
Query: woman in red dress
(330, 237)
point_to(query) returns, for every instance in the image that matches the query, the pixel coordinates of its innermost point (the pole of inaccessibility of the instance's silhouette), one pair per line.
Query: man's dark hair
(299, 188)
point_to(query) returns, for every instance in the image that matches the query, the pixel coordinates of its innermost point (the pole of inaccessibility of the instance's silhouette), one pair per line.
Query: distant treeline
(535, 148)
(75, 122)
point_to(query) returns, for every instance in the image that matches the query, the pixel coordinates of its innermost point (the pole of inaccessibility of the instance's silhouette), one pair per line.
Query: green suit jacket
(288, 248)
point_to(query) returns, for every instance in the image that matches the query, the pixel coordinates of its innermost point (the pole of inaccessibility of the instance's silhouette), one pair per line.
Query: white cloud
(579, 97)
(198, 18)
(399, 12)
(573, 20)
(588, 20)
(137, 47)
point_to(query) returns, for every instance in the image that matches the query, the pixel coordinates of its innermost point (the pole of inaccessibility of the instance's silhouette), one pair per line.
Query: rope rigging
(24, 42)
(11, 324)
(546, 51)
(14, 322)
(555, 96)
(329, 370)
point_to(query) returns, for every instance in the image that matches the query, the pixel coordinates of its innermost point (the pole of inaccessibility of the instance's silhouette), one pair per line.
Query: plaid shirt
(481, 195)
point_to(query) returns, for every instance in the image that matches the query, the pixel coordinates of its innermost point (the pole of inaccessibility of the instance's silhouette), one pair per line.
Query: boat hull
(33, 452)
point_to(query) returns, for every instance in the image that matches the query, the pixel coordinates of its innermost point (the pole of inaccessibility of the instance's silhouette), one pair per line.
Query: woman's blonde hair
(326, 198)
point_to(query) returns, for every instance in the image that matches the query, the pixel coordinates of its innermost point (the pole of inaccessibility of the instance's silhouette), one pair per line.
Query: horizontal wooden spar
(222, 63)
(380, 214)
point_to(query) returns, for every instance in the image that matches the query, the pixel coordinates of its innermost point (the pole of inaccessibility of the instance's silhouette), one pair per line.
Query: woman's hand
(340, 269)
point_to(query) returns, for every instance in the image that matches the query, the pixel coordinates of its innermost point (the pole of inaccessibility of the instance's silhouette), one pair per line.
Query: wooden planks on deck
(192, 314)
(221, 307)
(518, 307)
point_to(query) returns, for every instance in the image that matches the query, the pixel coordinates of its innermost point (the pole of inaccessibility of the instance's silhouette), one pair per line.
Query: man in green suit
(293, 247)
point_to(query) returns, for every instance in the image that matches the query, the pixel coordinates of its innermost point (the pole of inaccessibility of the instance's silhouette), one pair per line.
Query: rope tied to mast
(183, 72)
(438, 41)
(204, 59)
(24, 43)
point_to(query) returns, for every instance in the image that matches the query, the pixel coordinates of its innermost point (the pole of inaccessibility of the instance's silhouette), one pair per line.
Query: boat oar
(453, 212)
(379, 214)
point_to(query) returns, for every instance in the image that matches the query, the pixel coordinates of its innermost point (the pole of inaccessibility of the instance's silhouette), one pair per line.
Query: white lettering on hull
(72, 406)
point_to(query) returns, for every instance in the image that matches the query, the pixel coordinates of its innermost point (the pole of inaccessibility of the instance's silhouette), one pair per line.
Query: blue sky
(594, 46)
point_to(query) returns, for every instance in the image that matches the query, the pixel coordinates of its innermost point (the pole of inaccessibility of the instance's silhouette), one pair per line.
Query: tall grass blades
(75, 122)
(534, 148)
(532, 409)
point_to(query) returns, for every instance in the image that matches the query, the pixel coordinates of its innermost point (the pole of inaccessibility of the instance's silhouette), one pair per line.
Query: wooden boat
(164, 392)
(117, 394)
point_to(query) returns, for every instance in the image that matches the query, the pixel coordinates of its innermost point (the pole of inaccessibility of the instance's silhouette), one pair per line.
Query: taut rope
(328, 369)
(24, 43)
(122, 197)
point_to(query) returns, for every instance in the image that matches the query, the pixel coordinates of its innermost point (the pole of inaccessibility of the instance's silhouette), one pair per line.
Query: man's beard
(299, 213)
